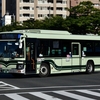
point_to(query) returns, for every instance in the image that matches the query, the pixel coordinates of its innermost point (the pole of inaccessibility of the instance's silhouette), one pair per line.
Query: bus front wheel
(44, 70)
(89, 67)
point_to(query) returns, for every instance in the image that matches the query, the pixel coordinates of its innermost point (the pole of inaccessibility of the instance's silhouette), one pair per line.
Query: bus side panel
(96, 61)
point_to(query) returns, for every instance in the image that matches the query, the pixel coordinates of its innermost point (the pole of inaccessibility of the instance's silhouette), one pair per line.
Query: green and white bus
(45, 52)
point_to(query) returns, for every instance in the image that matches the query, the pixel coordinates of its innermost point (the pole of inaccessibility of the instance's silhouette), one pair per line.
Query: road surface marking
(72, 95)
(15, 96)
(54, 87)
(44, 96)
(61, 87)
(6, 85)
(89, 92)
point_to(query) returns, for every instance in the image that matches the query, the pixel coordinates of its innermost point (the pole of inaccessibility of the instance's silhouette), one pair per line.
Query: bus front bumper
(13, 70)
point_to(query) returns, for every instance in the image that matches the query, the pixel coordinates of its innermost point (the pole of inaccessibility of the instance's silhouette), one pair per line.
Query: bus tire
(89, 67)
(44, 70)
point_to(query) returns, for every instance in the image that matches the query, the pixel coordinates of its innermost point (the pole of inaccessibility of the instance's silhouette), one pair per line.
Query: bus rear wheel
(89, 67)
(44, 70)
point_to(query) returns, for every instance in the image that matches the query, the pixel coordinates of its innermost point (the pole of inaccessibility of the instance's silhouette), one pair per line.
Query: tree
(85, 8)
(28, 24)
(56, 22)
(84, 19)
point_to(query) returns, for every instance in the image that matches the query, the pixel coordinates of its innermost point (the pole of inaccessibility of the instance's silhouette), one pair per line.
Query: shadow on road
(10, 76)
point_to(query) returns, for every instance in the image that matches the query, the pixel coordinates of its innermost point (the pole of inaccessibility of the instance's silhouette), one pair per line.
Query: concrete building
(34, 9)
(39, 9)
(2, 9)
(76, 2)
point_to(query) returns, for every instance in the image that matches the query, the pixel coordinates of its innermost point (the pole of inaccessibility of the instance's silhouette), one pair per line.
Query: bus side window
(53, 51)
(66, 48)
(75, 49)
(43, 48)
(40, 50)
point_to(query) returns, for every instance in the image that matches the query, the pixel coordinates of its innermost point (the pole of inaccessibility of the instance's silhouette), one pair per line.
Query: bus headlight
(20, 66)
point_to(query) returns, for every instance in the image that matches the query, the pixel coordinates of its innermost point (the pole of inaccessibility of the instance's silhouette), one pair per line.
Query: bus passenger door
(76, 56)
(30, 56)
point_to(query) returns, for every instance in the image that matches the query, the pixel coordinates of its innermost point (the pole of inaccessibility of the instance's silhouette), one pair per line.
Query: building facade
(2, 9)
(34, 9)
(39, 9)
(23, 10)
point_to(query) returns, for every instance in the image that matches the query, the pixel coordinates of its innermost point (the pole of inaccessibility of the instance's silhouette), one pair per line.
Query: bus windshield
(9, 49)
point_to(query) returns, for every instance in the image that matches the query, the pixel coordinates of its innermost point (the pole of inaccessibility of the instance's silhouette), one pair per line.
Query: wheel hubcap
(43, 70)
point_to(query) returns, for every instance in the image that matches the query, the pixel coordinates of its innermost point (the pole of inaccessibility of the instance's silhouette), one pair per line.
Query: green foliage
(84, 18)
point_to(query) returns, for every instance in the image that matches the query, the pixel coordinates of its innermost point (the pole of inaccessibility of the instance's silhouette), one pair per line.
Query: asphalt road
(76, 86)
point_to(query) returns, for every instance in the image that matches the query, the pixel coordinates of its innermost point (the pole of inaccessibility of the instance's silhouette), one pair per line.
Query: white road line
(5, 87)
(6, 84)
(13, 86)
(89, 92)
(2, 85)
(44, 96)
(61, 87)
(36, 88)
(15, 96)
(72, 95)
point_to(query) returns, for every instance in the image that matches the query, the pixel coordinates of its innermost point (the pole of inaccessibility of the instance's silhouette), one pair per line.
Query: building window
(32, 1)
(26, 15)
(31, 15)
(26, 8)
(26, 1)
(21, 15)
(21, 0)
(21, 8)
(39, 15)
(64, 2)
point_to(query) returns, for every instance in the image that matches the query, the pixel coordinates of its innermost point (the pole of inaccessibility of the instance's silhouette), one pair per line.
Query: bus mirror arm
(20, 41)
(20, 45)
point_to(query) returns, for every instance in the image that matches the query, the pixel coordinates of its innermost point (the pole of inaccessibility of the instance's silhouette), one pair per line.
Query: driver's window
(9, 49)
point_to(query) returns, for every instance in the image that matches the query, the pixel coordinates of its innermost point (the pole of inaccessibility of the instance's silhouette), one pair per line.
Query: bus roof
(54, 34)
(43, 31)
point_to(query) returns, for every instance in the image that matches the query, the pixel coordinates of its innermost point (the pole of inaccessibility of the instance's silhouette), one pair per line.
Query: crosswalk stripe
(72, 95)
(15, 96)
(44, 96)
(89, 92)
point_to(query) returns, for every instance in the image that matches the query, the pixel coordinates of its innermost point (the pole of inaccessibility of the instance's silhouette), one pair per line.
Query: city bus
(45, 52)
